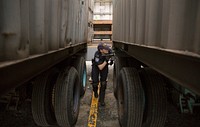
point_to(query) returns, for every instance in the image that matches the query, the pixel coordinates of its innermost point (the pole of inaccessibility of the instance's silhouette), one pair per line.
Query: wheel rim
(84, 76)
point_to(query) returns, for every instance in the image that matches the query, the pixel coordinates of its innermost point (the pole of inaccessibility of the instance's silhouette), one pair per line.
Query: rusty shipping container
(42, 43)
(33, 28)
(155, 38)
(167, 26)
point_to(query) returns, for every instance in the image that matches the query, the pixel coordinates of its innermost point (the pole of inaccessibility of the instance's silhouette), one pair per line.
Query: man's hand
(107, 58)
(101, 66)
(111, 62)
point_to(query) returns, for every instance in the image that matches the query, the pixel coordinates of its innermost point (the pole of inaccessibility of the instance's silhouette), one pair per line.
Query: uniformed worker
(100, 67)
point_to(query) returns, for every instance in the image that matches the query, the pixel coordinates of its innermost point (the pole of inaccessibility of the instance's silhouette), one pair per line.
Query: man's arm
(101, 66)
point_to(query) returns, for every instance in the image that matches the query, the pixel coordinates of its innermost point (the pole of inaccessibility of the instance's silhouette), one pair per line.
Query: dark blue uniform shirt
(99, 59)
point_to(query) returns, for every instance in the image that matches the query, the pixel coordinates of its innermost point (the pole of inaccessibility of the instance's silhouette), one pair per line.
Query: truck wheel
(155, 112)
(42, 105)
(119, 63)
(175, 96)
(130, 98)
(67, 97)
(80, 66)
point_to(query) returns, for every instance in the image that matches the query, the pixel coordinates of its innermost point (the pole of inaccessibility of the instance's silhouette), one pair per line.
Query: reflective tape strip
(92, 119)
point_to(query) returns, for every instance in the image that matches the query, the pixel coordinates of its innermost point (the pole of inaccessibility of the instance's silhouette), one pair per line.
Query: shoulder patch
(96, 59)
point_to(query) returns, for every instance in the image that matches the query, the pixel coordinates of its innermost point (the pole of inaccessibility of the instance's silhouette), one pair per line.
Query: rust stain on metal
(6, 34)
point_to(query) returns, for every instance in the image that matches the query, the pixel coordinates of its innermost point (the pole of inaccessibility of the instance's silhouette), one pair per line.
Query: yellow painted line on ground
(92, 119)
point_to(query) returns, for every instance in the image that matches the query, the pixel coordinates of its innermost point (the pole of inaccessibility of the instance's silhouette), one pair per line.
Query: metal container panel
(38, 26)
(121, 22)
(54, 22)
(140, 21)
(91, 4)
(75, 22)
(90, 34)
(153, 17)
(63, 23)
(90, 16)
(167, 24)
(127, 22)
(85, 21)
(133, 9)
(30, 27)
(70, 21)
(14, 29)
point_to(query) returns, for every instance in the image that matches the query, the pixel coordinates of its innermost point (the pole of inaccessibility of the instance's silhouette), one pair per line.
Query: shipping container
(42, 48)
(90, 20)
(157, 45)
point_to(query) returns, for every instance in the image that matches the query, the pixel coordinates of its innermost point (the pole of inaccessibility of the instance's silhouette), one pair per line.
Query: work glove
(107, 58)
(111, 62)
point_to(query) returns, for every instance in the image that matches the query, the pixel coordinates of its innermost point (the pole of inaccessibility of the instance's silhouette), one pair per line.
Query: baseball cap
(103, 45)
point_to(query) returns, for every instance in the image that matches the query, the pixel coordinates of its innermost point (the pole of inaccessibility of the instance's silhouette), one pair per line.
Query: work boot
(101, 98)
(95, 90)
(102, 93)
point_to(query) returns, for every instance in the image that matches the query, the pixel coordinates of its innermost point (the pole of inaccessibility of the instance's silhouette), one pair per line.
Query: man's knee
(95, 77)
(95, 86)
(103, 84)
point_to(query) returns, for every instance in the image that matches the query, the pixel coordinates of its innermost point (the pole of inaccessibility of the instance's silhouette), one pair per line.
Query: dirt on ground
(107, 116)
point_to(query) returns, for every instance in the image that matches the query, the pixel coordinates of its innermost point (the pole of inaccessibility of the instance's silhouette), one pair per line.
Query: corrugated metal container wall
(77, 22)
(168, 24)
(90, 20)
(91, 10)
(91, 4)
(14, 32)
(29, 27)
(84, 22)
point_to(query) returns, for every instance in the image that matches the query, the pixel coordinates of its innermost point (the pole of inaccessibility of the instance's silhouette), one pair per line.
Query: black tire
(130, 98)
(175, 96)
(42, 105)
(155, 112)
(80, 66)
(119, 63)
(67, 97)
